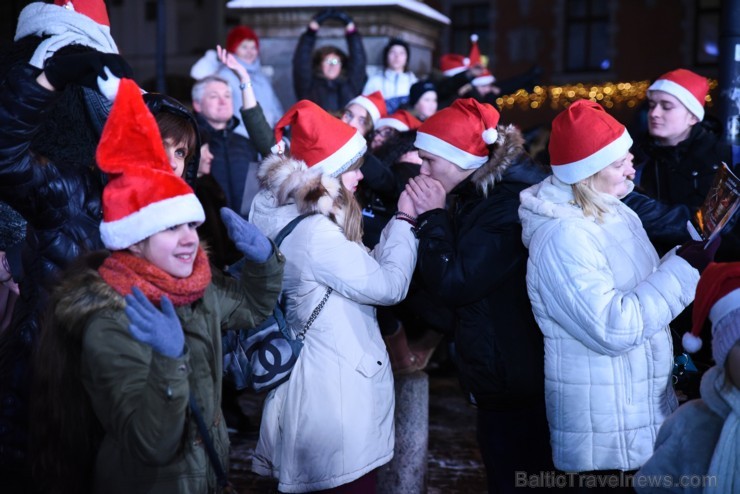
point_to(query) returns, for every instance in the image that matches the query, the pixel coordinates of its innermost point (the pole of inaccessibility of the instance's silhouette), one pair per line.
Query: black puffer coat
(471, 258)
(332, 95)
(233, 154)
(681, 174)
(61, 203)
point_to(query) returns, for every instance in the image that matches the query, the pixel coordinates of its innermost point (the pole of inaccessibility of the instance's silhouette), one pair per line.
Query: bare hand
(406, 205)
(426, 193)
(230, 61)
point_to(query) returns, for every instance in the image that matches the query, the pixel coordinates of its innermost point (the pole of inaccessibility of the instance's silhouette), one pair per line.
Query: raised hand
(108, 85)
(342, 17)
(323, 15)
(426, 193)
(161, 330)
(248, 239)
(84, 68)
(231, 62)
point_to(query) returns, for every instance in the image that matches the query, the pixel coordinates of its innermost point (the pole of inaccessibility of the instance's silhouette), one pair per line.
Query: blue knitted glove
(161, 330)
(248, 239)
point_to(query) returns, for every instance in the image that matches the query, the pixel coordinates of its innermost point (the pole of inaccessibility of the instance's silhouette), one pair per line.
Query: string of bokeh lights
(611, 95)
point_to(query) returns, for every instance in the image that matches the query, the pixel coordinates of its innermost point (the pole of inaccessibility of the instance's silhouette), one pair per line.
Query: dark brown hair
(320, 53)
(178, 129)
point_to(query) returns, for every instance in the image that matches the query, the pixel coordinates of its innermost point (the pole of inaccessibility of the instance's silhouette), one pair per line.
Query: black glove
(698, 253)
(342, 17)
(84, 68)
(323, 15)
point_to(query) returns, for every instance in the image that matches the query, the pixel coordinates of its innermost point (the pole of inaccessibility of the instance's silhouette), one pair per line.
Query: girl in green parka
(133, 334)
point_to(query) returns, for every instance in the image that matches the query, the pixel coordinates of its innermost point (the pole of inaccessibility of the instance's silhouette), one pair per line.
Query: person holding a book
(676, 162)
(602, 298)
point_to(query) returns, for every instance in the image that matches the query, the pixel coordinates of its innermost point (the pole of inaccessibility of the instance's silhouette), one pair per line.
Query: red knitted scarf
(122, 270)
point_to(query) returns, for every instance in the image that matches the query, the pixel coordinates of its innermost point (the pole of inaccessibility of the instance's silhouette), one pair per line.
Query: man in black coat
(233, 154)
(472, 260)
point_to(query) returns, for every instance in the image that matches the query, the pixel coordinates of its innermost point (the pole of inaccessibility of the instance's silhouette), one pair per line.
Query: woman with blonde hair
(602, 298)
(331, 423)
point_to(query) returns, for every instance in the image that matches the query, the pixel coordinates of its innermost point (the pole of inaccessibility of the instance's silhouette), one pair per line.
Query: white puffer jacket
(332, 421)
(603, 300)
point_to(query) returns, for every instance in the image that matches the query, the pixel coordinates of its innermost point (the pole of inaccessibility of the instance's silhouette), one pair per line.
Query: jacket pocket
(369, 365)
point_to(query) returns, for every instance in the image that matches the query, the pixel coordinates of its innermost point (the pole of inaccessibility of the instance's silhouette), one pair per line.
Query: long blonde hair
(352, 224)
(347, 201)
(591, 201)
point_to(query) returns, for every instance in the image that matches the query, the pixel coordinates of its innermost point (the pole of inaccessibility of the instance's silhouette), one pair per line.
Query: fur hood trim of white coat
(291, 180)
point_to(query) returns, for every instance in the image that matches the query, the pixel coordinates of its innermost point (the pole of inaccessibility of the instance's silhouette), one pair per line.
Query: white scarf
(723, 399)
(65, 27)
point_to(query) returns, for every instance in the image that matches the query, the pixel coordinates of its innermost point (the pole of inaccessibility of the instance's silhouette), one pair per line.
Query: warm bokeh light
(610, 95)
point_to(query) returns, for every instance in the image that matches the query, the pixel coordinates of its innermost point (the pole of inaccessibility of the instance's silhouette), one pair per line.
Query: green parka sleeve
(141, 397)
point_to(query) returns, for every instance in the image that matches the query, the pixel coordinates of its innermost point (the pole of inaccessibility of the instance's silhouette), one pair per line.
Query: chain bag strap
(302, 334)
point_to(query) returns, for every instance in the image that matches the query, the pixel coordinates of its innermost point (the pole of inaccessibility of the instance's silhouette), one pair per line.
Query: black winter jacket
(62, 204)
(472, 259)
(233, 154)
(332, 95)
(681, 174)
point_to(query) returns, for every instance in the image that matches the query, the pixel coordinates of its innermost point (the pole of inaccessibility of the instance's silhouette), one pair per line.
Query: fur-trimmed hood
(288, 181)
(510, 147)
(83, 292)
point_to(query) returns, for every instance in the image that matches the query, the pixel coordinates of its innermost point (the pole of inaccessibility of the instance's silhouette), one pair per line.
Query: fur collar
(510, 146)
(291, 181)
(82, 292)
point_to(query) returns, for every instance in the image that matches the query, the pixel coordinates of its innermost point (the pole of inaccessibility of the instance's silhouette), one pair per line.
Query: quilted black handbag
(263, 357)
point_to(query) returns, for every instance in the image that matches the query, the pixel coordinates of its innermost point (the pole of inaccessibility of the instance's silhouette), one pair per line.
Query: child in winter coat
(136, 335)
(698, 447)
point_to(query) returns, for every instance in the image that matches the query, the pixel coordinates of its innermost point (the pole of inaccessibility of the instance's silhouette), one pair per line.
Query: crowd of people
(565, 283)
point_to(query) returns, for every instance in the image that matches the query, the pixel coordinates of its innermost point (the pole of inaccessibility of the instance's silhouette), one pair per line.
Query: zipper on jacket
(627, 374)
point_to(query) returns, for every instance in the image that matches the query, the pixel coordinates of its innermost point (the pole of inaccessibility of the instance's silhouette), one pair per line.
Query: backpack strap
(289, 228)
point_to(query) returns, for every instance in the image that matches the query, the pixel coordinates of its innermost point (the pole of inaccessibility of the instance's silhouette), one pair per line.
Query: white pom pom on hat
(691, 343)
(717, 295)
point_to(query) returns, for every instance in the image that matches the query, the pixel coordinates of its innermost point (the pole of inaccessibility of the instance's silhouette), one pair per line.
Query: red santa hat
(689, 88)
(452, 64)
(373, 103)
(143, 195)
(94, 9)
(460, 133)
(320, 139)
(474, 56)
(584, 140)
(402, 121)
(239, 34)
(485, 78)
(717, 295)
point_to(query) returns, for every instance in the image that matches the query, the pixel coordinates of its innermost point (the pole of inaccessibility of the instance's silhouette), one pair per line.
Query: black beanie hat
(396, 42)
(418, 89)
